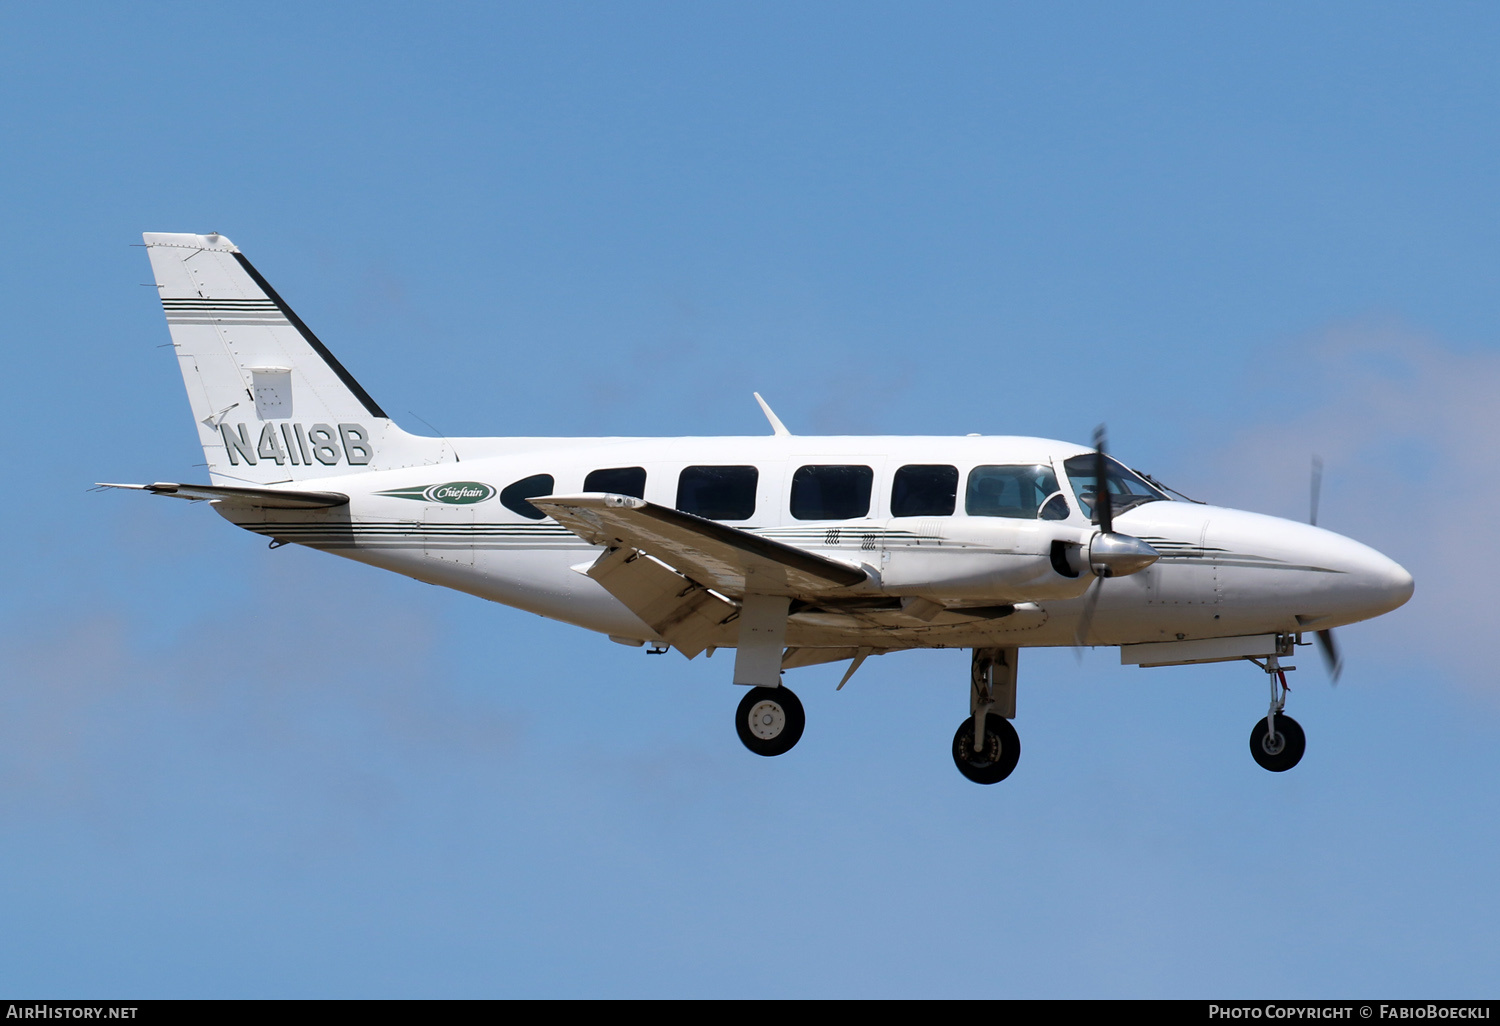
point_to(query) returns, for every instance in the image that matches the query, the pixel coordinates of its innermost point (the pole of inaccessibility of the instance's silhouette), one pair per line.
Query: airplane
(793, 550)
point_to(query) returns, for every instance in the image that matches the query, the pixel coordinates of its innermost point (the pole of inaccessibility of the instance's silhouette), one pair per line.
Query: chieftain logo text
(454, 493)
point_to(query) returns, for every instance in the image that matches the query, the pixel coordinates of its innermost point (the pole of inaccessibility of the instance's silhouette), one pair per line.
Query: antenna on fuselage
(1316, 490)
(777, 427)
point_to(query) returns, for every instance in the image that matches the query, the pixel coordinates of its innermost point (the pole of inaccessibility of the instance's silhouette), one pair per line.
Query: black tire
(770, 720)
(1281, 753)
(1002, 749)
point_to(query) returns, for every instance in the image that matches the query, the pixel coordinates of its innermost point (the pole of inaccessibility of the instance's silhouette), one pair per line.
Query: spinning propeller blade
(1086, 618)
(1331, 657)
(1103, 511)
(1108, 554)
(1104, 516)
(1326, 644)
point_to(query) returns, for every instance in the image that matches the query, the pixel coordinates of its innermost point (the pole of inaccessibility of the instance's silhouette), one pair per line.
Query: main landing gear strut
(770, 720)
(986, 747)
(1277, 742)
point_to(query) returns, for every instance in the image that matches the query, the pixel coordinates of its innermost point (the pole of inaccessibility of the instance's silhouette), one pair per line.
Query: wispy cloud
(328, 709)
(1406, 425)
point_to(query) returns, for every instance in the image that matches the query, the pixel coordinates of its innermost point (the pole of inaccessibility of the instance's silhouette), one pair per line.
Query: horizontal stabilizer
(258, 498)
(713, 554)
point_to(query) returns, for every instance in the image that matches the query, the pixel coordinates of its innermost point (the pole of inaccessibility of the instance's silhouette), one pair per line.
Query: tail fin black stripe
(312, 340)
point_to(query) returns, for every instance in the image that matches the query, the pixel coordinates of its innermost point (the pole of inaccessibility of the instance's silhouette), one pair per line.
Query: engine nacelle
(985, 559)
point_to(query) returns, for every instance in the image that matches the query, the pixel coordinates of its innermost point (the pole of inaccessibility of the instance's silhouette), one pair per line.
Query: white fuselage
(793, 550)
(1222, 572)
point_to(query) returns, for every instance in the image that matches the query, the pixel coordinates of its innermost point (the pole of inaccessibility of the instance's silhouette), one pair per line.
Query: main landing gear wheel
(770, 720)
(1281, 751)
(996, 757)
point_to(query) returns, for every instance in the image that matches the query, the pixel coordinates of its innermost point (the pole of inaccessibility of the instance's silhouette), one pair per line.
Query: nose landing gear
(1277, 742)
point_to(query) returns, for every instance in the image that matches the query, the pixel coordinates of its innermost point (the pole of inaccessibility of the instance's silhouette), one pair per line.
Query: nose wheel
(770, 720)
(1277, 748)
(1277, 742)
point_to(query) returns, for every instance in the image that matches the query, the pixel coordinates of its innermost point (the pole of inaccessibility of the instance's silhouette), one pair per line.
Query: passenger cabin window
(1126, 488)
(831, 492)
(924, 490)
(718, 493)
(619, 480)
(513, 496)
(1021, 493)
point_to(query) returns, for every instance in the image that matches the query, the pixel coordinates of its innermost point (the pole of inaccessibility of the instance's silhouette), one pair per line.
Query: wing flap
(682, 611)
(724, 558)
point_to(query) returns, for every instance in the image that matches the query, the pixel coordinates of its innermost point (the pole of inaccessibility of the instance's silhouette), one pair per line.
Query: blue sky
(1239, 235)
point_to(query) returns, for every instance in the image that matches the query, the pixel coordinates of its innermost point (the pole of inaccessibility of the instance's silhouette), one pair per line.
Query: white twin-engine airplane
(792, 550)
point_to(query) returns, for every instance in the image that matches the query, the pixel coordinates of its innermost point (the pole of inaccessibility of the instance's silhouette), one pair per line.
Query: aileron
(259, 498)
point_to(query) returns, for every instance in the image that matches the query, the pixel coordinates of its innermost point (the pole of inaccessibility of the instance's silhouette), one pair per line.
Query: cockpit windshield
(1127, 489)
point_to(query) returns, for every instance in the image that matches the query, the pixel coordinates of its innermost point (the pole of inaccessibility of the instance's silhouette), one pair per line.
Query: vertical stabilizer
(271, 402)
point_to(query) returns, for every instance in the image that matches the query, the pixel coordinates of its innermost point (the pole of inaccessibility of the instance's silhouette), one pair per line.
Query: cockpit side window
(924, 490)
(1056, 508)
(1017, 492)
(1126, 488)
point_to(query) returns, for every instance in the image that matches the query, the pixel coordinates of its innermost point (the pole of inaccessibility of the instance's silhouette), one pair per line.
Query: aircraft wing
(726, 559)
(259, 498)
(673, 569)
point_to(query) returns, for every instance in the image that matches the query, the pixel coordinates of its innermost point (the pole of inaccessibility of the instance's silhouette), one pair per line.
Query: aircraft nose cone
(1389, 582)
(1370, 583)
(1324, 579)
